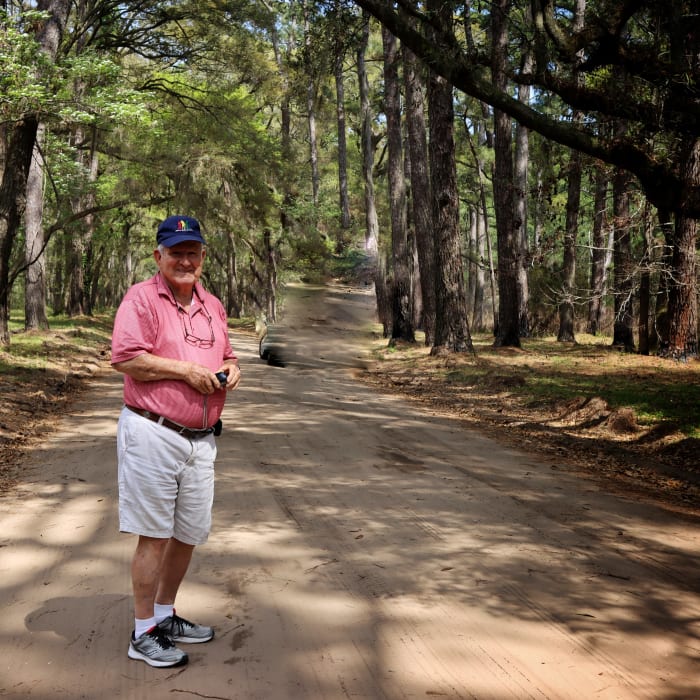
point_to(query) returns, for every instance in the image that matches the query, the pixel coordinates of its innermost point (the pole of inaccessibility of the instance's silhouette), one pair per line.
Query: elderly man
(171, 343)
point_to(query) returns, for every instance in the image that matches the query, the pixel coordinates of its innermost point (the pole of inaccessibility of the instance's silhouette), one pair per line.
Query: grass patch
(30, 351)
(545, 373)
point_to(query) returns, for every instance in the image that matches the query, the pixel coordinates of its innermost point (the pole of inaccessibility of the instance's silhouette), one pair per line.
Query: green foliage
(103, 97)
(25, 72)
(311, 253)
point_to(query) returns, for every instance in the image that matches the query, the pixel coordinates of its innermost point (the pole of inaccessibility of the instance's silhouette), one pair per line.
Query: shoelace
(178, 624)
(161, 638)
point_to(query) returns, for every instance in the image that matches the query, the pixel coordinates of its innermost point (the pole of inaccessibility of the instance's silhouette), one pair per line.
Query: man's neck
(183, 296)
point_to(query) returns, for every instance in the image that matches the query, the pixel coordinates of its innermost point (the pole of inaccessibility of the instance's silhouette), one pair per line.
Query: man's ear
(156, 255)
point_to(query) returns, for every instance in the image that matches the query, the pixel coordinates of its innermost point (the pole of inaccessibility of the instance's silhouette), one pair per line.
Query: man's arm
(149, 368)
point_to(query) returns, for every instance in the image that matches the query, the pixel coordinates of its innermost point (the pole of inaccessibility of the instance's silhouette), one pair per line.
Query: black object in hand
(222, 377)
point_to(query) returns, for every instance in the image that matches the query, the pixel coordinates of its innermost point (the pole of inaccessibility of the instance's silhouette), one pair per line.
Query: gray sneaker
(181, 630)
(156, 649)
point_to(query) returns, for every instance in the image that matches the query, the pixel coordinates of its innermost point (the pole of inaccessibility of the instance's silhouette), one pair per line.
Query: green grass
(546, 373)
(38, 350)
(659, 391)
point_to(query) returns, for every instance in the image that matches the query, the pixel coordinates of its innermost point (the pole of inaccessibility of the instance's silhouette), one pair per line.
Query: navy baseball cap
(178, 229)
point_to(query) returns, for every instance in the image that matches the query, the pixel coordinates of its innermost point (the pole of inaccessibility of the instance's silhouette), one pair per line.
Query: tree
(567, 304)
(601, 250)
(568, 282)
(640, 65)
(311, 106)
(367, 157)
(521, 163)
(420, 189)
(508, 239)
(401, 312)
(521, 194)
(481, 240)
(451, 323)
(35, 256)
(344, 200)
(19, 140)
(644, 332)
(622, 259)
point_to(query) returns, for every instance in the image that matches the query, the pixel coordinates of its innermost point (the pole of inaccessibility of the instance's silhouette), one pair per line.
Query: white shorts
(166, 481)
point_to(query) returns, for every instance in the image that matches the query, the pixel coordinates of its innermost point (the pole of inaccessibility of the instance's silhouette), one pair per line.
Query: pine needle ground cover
(630, 420)
(40, 374)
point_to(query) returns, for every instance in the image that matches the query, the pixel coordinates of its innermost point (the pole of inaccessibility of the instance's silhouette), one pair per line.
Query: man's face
(181, 265)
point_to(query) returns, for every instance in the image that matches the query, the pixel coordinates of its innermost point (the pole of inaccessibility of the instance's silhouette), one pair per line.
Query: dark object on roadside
(222, 377)
(273, 346)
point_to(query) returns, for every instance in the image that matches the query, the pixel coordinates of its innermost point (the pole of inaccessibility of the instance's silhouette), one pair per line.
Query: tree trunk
(482, 241)
(682, 300)
(568, 282)
(13, 191)
(522, 161)
(508, 328)
(683, 292)
(471, 259)
(420, 190)
(644, 331)
(285, 133)
(567, 305)
(35, 275)
(344, 202)
(599, 253)
(476, 257)
(451, 322)
(311, 112)
(95, 286)
(401, 312)
(367, 146)
(622, 260)
(59, 295)
(270, 275)
(77, 270)
(233, 302)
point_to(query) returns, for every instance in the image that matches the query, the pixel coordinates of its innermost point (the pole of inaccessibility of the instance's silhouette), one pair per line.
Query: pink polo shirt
(149, 320)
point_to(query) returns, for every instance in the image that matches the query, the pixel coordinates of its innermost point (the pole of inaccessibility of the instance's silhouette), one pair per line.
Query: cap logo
(182, 225)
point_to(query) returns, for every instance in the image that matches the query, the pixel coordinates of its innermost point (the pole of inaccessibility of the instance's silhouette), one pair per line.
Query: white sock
(162, 611)
(142, 626)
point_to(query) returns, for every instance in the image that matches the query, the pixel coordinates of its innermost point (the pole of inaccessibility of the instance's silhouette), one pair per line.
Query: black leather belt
(180, 429)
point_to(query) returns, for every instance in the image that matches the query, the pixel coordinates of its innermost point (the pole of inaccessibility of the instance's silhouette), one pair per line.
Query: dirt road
(361, 549)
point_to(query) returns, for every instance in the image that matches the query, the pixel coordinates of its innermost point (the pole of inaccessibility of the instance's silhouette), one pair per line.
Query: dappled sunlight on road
(498, 568)
(361, 548)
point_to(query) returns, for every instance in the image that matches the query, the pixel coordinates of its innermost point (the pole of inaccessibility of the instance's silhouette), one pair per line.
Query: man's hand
(233, 372)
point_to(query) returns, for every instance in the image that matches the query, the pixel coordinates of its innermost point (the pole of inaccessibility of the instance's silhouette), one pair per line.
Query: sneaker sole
(193, 640)
(138, 656)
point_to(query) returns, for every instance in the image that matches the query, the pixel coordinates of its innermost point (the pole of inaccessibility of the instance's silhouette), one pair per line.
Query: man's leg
(174, 565)
(176, 561)
(149, 643)
(146, 568)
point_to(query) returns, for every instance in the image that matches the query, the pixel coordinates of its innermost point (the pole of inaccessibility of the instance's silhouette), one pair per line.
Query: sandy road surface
(361, 549)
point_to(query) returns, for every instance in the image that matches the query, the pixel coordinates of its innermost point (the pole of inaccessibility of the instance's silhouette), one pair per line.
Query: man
(170, 340)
